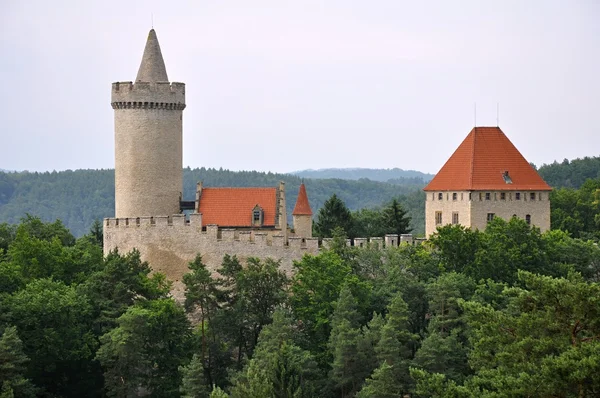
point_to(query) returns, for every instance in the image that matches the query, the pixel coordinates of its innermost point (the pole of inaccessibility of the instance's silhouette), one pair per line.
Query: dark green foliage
(545, 343)
(121, 282)
(193, 382)
(54, 322)
(392, 219)
(504, 248)
(334, 214)
(279, 367)
(459, 310)
(571, 174)
(348, 366)
(577, 211)
(146, 349)
(79, 197)
(201, 295)
(13, 363)
(395, 219)
(315, 290)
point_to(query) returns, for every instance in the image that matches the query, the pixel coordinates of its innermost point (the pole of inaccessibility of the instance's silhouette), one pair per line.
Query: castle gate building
(486, 177)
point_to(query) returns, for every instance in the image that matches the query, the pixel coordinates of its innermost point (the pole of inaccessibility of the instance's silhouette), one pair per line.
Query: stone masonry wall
(473, 213)
(148, 148)
(447, 206)
(170, 243)
(539, 210)
(302, 225)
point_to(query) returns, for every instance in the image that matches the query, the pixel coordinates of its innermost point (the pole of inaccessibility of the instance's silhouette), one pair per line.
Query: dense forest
(382, 175)
(79, 197)
(505, 312)
(571, 174)
(82, 196)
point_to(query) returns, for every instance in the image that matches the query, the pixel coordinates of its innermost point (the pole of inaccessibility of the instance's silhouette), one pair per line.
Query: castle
(484, 178)
(149, 208)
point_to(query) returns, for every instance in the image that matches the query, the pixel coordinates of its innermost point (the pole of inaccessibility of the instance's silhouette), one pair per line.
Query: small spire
(302, 207)
(152, 69)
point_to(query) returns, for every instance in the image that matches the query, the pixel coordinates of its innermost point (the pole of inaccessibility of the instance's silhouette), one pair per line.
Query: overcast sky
(288, 85)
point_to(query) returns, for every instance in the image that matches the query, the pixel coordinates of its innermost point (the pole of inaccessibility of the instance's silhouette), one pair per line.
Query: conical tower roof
(487, 160)
(152, 69)
(302, 207)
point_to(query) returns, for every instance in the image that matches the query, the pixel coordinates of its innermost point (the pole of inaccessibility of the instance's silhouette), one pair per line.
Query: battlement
(170, 243)
(213, 234)
(144, 95)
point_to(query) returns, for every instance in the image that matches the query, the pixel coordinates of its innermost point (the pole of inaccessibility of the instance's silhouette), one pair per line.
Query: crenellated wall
(169, 243)
(150, 95)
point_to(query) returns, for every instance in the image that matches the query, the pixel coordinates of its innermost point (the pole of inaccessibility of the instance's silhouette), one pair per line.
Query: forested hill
(393, 176)
(79, 197)
(571, 174)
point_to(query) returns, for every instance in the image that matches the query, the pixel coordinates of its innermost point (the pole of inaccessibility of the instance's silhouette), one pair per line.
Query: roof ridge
(472, 158)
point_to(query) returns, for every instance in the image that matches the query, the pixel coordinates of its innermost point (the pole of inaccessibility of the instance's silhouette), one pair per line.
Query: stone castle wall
(447, 206)
(302, 225)
(473, 208)
(170, 243)
(148, 148)
(538, 209)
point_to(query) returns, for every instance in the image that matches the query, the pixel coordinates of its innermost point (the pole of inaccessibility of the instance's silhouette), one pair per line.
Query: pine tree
(201, 295)
(395, 218)
(13, 366)
(394, 352)
(193, 382)
(334, 213)
(347, 369)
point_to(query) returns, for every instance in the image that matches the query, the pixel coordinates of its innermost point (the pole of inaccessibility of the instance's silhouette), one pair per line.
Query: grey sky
(288, 85)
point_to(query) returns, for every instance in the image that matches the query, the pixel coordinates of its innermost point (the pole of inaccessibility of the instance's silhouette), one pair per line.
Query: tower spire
(302, 207)
(152, 69)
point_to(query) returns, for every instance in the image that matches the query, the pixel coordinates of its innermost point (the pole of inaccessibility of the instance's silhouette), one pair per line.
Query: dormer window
(506, 177)
(257, 216)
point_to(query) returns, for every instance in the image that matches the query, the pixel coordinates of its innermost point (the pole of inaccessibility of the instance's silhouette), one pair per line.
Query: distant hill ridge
(79, 197)
(395, 175)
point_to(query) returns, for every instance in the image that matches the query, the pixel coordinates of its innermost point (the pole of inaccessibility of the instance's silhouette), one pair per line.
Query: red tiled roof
(480, 161)
(302, 207)
(232, 207)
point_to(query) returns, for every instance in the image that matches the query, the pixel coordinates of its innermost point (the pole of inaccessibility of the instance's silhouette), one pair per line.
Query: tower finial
(152, 69)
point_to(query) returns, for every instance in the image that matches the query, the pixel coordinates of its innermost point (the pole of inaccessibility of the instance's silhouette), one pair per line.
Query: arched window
(528, 219)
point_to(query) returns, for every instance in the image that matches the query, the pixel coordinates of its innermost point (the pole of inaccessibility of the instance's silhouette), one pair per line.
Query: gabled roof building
(486, 177)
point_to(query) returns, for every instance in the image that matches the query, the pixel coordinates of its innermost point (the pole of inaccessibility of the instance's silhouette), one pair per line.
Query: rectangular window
(440, 196)
(502, 195)
(517, 195)
(438, 217)
(454, 196)
(480, 196)
(455, 217)
(490, 217)
(470, 195)
(488, 196)
(528, 219)
(532, 196)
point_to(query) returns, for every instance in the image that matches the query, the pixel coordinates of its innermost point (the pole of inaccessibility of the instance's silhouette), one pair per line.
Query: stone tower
(302, 215)
(148, 139)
